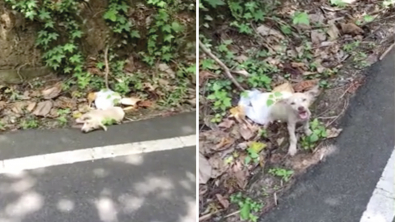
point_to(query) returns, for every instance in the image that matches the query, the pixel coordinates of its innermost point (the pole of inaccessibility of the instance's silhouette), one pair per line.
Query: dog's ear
(313, 92)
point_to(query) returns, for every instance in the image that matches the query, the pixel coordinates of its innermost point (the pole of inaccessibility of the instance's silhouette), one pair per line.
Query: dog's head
(300, 102)
(88, 122)
(89, 125)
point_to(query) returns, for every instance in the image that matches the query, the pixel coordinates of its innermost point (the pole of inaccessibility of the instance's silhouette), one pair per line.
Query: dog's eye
(304, 99)
(293, 103)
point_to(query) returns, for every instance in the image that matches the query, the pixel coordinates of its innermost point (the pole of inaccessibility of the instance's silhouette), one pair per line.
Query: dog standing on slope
(293, 108)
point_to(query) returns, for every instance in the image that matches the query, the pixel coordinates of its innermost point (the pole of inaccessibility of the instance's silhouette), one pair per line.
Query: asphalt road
(339, 189)
(148, 187)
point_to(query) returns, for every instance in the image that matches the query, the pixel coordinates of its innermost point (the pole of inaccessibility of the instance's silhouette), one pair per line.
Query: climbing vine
(60, 35)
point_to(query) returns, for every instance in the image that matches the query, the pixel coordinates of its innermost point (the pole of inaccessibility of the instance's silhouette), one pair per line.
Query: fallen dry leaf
(31, 106)
(43, 108)
(205, 169)
(317, 36)
(64, 102)
(285, 87)
(238, 113)
(131, 101)
(351, 28)
(241, 58)
(241, 174)
(204, 75)
(145, 103)
(52, 92)
(18, 107)
(305, 85)
(227, 123)
(266, 31)
(333, 132)
(165, 68)
(222, 200)
(247, 132)
(217, 164)
(333, 31)
(3, 104)
(91, 97)
(224, 144)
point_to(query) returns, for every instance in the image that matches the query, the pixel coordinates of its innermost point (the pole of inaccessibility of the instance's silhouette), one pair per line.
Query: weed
(253, 152)
(350, 47)
(29, 123)
(247, 207)
(220, 97)
(62, 116)
(284, 174)
(318, 131)
(300, 18)
(338, 3)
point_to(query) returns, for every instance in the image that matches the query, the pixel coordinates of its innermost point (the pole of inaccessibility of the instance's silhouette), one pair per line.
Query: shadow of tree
(152, 187)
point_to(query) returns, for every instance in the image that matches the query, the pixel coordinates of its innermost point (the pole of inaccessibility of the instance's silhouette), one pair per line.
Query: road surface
(142, 171)
(357, 183)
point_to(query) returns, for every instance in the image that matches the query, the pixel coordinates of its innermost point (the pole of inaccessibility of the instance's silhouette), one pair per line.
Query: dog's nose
(300, 108)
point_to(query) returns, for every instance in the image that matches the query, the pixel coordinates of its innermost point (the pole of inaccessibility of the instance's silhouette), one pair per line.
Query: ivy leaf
(76, 34)
(177, 27)
(166, 28)
(245, 211)
(135, 34)
(75, 59)
(168, 38)
(269, 102)
(313, 138)
(215, 3)
(44, 15)
(69, 47)
(301, 18)
(111, 15)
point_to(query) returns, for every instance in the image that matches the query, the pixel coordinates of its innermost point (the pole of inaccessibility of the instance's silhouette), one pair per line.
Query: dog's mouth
(303, 115)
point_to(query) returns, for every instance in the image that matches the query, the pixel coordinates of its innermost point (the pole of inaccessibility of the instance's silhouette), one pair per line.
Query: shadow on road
(148, 187)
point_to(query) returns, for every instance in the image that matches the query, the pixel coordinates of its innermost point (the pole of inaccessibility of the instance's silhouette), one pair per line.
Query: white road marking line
(94, 153)
(381, 206)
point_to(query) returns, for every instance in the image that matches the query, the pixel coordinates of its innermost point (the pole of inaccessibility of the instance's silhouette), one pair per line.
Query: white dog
(288, 107)
(294, 109)
(95, 119)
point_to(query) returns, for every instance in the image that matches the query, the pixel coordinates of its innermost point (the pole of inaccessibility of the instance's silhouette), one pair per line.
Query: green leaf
(247, 160)
(135, 34)
(313, 138)
(215, 3)
(368, 18)
(177, 27)
(245, 212)
(69, 47)
(256, 147)
(277, 94)
(111, 15)
(269, 102)
(301, 18)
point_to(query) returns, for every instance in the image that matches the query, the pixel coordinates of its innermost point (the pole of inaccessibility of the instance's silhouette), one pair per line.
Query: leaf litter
(239, 150)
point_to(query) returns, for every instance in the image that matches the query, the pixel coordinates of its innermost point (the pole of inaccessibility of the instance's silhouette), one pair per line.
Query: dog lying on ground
(293, 108)
(96, 119)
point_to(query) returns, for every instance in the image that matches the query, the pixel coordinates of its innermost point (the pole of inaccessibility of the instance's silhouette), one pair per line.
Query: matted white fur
(293, 108)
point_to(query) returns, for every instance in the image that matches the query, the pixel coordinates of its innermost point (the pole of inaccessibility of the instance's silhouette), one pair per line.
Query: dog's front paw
(308, 132)
(292, 150)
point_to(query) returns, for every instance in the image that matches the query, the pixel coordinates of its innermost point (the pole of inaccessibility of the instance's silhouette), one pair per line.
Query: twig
(340, 114)
(387, 51)
(232, 214)
(224, 67)
(107, 66)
